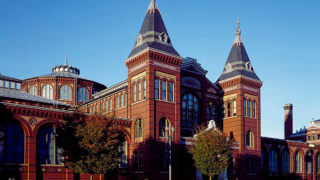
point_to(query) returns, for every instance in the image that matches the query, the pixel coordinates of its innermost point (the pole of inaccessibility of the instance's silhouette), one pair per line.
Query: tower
(241, 112)
(153, 91)
(288, 120)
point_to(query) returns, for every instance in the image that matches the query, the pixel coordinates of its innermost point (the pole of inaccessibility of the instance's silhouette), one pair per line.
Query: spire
(237, 40)
(238, 62)
(66, 60)
(153, 34)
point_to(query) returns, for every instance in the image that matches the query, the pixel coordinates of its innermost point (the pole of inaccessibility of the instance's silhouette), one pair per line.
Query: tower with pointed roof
(240, 87)
(153, 88)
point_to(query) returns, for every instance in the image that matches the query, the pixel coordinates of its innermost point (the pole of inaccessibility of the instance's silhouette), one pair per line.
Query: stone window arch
(164, 127)
(250, 139)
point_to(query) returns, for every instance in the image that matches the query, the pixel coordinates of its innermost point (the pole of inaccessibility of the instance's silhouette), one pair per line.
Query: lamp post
(311, 146)
(170, 153)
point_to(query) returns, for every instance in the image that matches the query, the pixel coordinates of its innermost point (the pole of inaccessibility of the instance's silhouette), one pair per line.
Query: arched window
(273, 161)
(234, 108)
(156, 89)
(144, 89)
(308, 160)
(33, 90)
(48, 152)
(164, 158)
(124, 153)
(249, 108)
(164, 127)
(65, 93)
(254, 109)
(244, 108)
(107, 106)
(190, 111)
(11, 143)
(171, 91)
(47, 91)
(228, 109)
(134, 96)
(164, 90)
(137, 161)
(82, 95)
(298, 162)
(250, 139)
(285, 161)
(125, 99)
(139, 128)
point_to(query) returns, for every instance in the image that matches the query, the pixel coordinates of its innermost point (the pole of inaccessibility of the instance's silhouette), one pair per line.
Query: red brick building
(165, 96)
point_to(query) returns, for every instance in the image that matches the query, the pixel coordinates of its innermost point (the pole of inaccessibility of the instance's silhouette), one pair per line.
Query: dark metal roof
(153, 33)
(63, 74)
(21, 95)
(3, 77)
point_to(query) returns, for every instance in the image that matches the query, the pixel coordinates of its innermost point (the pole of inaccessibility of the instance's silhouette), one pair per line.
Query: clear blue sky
(282, 39)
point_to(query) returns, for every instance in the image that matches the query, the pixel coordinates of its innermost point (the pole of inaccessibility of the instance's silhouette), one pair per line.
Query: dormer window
(228, 67)
(139, 40)
(163, 37)
(248, 66)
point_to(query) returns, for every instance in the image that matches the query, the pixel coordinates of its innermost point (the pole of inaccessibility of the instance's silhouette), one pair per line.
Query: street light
(170, 153)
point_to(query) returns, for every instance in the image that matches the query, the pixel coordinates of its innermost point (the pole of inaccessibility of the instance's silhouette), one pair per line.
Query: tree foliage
(91, 144)
(211, 152)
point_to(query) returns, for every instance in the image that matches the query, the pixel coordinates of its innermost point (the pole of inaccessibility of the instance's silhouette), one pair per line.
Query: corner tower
(241, 113)
(153, 89)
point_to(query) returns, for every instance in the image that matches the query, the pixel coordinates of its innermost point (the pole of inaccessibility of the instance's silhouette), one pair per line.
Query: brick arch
(134, 126)
(24, 125)
(45, 122)
(294, 160)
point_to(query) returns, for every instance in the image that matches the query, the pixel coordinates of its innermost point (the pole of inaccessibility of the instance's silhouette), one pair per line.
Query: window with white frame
(33, 90)
(65, 93)
(47, 91)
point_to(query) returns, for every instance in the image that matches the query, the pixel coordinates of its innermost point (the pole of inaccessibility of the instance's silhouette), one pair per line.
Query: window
(211, 112)
(12, 85)
(103, 108)
(234, 108)
(144, 89)
(273, 160)
(139, 128)
(254, 109)
(308, 160)
(117, 102)
(298, 162)
(137, 166)
(190, 111)
(139, 91)
(7, 84)
(65, 93)
(33, 90)
(164, 90)
(1, 83)
(97, 108)
(244, 107)
(171, 91)
(124, 153)
(285, 161)
(18, 85)
(309, 138)
(164, 127)
(93, 109)
(134, 92)
(110, 105)
(107, 105)
(223, 111)
(125, 99)
(48, 152)
(11, 143)
(47, 91)
(121, 100)
(228, 109)
(156, 89)
(250, 139)
(82, 95)
(249, 109)
(250, 166)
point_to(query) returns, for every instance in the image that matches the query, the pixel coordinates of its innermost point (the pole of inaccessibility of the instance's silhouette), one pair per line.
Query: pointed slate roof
(238, 62)
(153, 33)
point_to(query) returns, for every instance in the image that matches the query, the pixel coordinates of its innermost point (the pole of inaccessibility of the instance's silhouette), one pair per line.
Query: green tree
(211, 152)
(91, 144)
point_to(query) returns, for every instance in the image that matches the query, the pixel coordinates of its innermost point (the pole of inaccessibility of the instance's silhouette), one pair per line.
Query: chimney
(288, 120)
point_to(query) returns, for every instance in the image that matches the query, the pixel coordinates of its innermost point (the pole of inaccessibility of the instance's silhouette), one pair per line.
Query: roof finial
(238, 40)
(66, 59)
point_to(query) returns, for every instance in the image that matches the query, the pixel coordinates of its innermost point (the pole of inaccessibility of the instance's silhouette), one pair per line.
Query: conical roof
(238, 62)
(153, 34)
